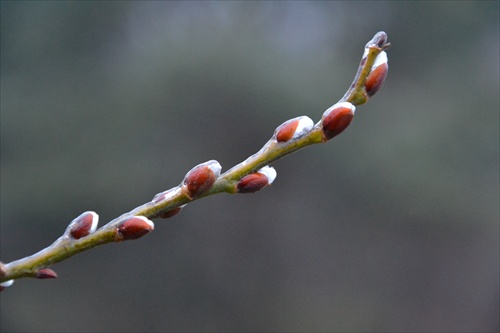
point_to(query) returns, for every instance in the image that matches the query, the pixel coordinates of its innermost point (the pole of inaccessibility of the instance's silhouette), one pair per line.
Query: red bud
(170, 213)
(293, 128)
(375, 80)
(256, 181)
(199, 181)
(83, 225)
(285, 132)
(337, 118)
(46, 273)
(133, 228)
(252, 183)
(201, 178)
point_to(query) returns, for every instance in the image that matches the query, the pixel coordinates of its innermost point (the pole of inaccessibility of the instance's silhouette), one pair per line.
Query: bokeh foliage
(392, 226)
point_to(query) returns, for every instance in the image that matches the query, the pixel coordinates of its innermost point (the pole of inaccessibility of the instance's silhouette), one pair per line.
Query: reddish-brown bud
(83, 225)
(46, 273)
(375, 80)
(252, 183)
(133, 228)
(256, 181)
(170, 213)
(293, 128)
(201, 178)
(337, 118)
(285, 132)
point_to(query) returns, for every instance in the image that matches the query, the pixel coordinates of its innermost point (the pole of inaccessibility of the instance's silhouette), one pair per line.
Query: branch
(205, 179)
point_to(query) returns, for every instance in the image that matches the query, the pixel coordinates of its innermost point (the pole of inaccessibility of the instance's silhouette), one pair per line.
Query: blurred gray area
(393, 226)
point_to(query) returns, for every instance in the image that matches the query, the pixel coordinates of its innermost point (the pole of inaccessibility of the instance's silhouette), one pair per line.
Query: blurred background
(393, 226)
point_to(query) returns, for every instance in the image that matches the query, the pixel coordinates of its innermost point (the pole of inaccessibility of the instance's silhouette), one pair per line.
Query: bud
(201, 178)
(6, 284)
(170, 213)
(83, 225)
(45, 273)
(375, 80)
(379, 40)
(337, 118)
(293, 128)
(133, 228)
(256, 181)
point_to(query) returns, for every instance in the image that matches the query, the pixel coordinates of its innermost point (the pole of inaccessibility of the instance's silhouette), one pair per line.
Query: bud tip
(46, 273)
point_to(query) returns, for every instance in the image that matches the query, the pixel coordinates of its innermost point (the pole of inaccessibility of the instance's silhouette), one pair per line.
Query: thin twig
(249, 176)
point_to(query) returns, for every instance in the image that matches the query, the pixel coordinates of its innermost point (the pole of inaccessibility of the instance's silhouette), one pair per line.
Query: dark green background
(392, 226)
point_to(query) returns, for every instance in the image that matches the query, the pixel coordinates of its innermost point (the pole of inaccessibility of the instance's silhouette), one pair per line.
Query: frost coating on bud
(375, 80)
(201, 178)
(133, 228)
(46, 273)
(256, 181)
(293, 128)
(6, 284)
(380, 60)
(269, 172)
(83, 225)
(336, 119)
